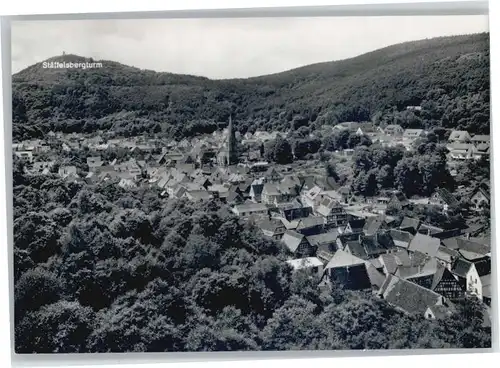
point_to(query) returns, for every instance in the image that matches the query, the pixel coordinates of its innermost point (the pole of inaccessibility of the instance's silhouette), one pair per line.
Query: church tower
(232, 145)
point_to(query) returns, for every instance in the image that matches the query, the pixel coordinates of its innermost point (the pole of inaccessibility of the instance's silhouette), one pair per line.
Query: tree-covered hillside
(448, 77)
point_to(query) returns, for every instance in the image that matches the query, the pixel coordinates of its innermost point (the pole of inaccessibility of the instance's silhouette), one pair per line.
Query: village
(416, 267)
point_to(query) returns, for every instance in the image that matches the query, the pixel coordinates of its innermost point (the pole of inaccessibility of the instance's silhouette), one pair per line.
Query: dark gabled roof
(357, 224)
(401, 237)
(483, 267)
(483, 148)
(367, 247)
(345, 238)
(356, 249)
(400, 197)
(234, 196)
(390, 262)
(483, 191)
(471, 246)
(432, 268)
(409, 222)
(447, 197)
(309, 222)
(408, 296)
(292, 240)
(430, 230)
(379, 243)
(257, 188)
(376, 277)
(446, 254)
(373, 224)
(270, 225)
(461, 267)
(325, 238)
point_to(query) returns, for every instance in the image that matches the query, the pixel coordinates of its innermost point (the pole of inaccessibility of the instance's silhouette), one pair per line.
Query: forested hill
(447, 76)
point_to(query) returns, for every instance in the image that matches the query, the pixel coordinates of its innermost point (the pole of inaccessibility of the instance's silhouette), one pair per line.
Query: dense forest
(448, 77)
(103, 269)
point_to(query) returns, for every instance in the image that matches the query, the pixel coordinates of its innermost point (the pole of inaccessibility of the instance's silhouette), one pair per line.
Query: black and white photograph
(251, 184)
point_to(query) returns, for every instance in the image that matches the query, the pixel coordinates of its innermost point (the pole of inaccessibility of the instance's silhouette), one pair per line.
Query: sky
(227, 47)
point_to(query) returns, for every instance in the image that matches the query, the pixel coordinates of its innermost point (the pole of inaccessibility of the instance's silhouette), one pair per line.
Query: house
(470, 279)
(410, 225)
(258, 167)
(332, 212)
(413, 134)
(486, 289)
(297, 243)
(435, 276)
(414, 108)
(480, 199)
(177, 192)
(481, 139)
(26, 156)
(272, 228)
(325, 244)
(293, 210)
(355, 226)
(438, 312)
(352, 273)
(459, 136)
(308, 263)
(401, 238)
(424, 244)
(468, 249)
(42, 167)
(443, 198)
(373, 225)
(351, 126)
(310, 225)
(232, 197)
(197, 195)
(398, 200)
(94, 162)
(271, 194)
(65, 171)
(255, 192)
(312, 196)
(437, 232)
(389, 263)
(394, 130)
(409, 297)
(482, 150)
(271, 175)
(250, 209)
(127, 183)
(461, 151)
(367, 129)
(366, 247)
(447, 256)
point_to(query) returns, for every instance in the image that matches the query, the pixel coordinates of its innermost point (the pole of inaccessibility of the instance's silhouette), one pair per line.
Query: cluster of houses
(348, 241)
(461, 144)
(416, 267)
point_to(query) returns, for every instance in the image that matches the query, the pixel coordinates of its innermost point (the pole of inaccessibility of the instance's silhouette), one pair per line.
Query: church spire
(232, 151)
